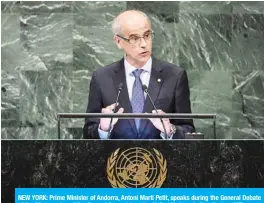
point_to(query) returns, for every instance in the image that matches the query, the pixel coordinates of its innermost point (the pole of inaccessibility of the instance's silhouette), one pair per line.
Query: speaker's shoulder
(109, 69)
(169, 68)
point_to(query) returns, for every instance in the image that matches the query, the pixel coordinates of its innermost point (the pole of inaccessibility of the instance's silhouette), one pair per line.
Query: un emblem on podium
(136, 168)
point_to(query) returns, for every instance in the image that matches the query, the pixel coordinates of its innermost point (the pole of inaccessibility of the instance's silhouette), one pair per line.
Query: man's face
(133, 28)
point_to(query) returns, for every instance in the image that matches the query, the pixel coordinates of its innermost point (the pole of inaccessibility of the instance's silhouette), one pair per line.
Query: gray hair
(116, 25)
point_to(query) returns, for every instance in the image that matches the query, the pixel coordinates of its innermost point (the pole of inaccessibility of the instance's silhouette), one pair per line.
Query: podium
(196, 135)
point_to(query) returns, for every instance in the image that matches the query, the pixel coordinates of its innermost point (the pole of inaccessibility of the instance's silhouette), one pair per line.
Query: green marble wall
(50, 49)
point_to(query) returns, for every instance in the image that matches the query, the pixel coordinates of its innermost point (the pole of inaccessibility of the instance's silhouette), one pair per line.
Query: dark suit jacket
(170, 95)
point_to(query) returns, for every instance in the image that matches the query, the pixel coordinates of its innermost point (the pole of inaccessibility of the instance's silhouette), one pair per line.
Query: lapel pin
(159, 80)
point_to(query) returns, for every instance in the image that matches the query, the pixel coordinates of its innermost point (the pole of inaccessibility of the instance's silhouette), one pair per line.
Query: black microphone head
(145, 88)
(120, 86)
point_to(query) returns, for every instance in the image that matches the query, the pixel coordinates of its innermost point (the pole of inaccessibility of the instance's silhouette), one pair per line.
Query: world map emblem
(136, 168)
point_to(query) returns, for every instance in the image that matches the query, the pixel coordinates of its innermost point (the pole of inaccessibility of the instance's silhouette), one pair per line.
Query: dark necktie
(138, 98)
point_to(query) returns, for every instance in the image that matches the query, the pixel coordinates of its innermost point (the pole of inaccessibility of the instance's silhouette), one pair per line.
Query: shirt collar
(129, 68)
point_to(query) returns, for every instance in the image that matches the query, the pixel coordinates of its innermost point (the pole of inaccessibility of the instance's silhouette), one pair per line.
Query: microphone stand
(120, 87)
(146, 90)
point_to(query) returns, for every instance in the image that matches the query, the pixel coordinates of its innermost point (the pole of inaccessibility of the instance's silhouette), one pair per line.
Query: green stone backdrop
(50, 49)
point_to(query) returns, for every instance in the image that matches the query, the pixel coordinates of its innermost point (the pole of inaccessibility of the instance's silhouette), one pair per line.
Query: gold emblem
(136, 168)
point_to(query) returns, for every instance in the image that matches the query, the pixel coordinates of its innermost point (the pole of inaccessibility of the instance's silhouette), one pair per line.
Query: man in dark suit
(167, 85)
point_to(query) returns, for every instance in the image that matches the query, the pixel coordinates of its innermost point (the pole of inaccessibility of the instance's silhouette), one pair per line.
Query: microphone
(145, 88)
(120, 87)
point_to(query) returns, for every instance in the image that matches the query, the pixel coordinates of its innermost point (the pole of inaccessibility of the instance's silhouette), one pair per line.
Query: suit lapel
(155, 83)
(120, 77)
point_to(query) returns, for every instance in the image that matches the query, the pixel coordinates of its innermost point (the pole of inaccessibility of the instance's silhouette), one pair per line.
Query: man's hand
(105, 122)
(157, 122)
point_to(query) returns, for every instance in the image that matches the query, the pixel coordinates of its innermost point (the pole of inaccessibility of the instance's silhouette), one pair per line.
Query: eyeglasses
(135, 39)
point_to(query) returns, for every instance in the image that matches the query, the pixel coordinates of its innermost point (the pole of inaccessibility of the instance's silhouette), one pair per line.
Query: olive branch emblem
(115, 183)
